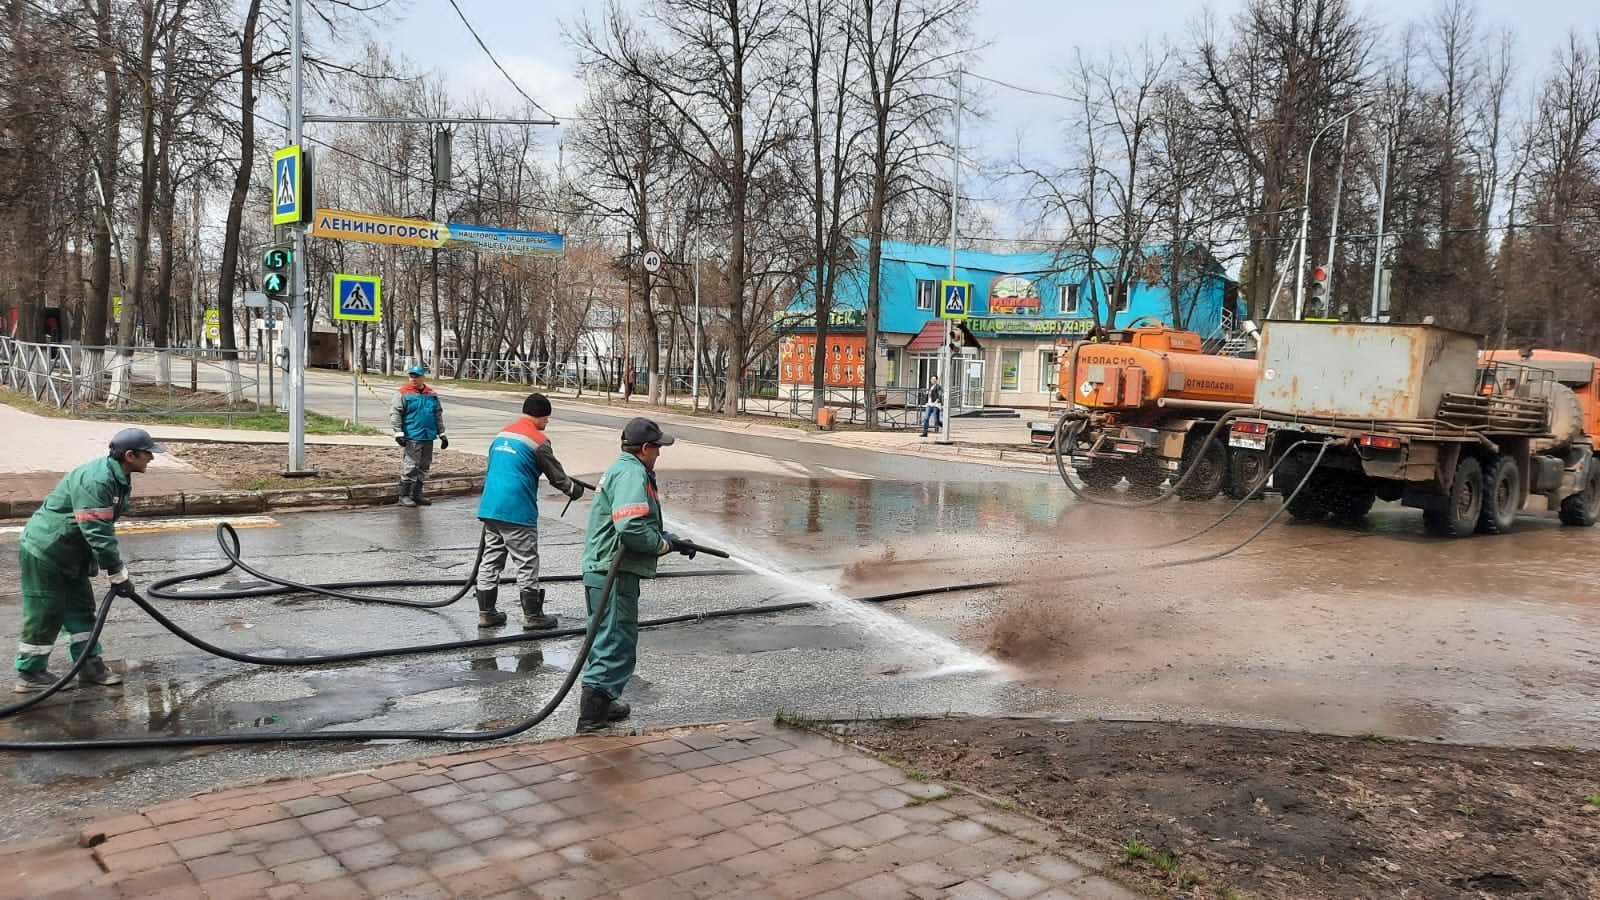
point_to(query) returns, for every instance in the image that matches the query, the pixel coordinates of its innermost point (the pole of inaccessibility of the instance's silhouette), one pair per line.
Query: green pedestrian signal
(275, 280)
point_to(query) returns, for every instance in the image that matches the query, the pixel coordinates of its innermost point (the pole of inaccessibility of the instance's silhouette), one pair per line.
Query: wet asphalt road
(1369, 629)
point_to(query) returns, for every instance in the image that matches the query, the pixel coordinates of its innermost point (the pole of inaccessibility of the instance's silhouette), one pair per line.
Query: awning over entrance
(931, 337)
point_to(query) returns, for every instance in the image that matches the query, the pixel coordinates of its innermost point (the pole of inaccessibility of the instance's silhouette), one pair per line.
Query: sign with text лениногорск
(354, 226)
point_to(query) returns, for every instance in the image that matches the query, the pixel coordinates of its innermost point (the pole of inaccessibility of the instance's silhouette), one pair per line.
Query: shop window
(1067, 299)
(1010, 370)
(1049, 360)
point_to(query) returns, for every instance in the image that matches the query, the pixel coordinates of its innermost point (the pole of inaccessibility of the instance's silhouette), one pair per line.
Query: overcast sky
(1028, 43)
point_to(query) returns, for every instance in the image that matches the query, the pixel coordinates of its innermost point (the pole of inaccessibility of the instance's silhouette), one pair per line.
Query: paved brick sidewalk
(740, 810)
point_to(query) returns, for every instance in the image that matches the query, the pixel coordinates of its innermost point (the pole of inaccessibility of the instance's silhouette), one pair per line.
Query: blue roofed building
(1025, 308)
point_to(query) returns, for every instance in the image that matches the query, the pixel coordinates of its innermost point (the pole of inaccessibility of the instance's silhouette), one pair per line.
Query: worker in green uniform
(71, 535)
(626, 514)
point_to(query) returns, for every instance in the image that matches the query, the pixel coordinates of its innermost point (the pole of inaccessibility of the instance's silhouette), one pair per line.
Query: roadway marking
(150, 526)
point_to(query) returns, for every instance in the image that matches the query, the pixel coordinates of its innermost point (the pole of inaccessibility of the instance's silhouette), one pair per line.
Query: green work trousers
(616, 643)
(52, 602)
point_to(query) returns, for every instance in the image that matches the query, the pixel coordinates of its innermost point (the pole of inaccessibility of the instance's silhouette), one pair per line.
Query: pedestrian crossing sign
(357, 298)
(955, 299)
(288, 186)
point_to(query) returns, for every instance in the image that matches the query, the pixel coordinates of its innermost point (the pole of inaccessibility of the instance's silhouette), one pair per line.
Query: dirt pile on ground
(260, 466)
(1208, 811)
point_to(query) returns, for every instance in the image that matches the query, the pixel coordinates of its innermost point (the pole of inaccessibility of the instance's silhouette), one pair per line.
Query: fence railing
(145, 381)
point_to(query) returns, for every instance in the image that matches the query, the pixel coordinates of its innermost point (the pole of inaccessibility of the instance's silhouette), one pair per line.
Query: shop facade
(1025, 310)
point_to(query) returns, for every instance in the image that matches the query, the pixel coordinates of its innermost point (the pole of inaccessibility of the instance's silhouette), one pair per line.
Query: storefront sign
(1001, 326)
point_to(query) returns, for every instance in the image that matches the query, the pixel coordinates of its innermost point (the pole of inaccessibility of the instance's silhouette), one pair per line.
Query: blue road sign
(288, 195)
(357, 298)
(955, 299)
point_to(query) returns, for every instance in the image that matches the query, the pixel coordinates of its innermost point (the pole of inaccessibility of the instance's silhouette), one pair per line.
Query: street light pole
(295, 379)
(1305, 213)
(694, 377)
(945, 379)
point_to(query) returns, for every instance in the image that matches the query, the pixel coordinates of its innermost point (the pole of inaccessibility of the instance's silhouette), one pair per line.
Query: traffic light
(1317, 302)
(276, 263)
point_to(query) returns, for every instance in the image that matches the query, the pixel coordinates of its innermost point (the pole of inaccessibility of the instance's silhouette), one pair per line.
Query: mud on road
(260, 466)
(1209, 811)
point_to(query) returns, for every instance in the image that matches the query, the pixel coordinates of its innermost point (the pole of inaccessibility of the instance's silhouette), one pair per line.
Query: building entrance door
(966, 388)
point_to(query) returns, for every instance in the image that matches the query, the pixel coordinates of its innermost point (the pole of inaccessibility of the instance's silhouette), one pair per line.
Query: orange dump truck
(1144, 403)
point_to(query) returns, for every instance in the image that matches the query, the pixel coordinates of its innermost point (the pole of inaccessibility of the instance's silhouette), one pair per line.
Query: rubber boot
(416, 495)
(488, 616)
(618, 711)
(405, 494)
(533, 617)
(594, 711)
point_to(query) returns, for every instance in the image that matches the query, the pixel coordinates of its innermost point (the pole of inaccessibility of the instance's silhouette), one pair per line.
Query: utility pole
(945, 381)
(1305, 214)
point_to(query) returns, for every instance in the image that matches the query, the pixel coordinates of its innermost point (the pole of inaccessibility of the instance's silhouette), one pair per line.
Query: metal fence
(146, 381)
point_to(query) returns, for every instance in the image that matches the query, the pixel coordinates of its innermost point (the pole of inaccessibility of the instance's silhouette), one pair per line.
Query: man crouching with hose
(625, 516)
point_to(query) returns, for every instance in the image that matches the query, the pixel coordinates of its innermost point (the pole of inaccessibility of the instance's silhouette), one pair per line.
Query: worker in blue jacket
(417, 418)
(625, 515)
(509, 509)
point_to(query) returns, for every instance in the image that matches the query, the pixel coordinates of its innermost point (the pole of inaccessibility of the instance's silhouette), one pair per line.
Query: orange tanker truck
(1144, 403)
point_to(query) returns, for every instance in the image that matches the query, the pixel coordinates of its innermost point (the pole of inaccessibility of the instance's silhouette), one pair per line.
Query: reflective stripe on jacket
(517, 457)
(627, 511)
(74, 529)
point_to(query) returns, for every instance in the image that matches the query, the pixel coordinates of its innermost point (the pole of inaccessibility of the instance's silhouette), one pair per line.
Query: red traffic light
(1319, 274)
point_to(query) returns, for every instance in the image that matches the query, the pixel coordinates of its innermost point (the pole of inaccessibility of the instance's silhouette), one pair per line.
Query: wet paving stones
(739, 810)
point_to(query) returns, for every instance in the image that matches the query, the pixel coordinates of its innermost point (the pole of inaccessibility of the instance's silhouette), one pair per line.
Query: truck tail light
(1379, 442)
(1250, 427)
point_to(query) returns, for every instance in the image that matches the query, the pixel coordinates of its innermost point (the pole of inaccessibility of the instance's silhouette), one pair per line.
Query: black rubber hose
(1070, 425)
(209, 740)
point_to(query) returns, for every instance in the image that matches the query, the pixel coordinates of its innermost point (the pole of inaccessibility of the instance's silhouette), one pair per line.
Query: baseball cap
(134, 439)
(641, 431)
(416, 370)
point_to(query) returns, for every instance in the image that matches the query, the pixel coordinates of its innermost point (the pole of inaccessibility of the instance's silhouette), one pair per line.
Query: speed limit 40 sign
(652, 261)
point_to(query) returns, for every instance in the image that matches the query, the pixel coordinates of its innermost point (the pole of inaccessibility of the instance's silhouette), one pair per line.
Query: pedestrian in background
(509, 510)
(933, 407)
(416, 417)
(70, 537)
(625, 516)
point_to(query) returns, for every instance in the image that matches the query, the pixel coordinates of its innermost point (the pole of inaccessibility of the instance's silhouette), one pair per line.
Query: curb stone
(227, 502)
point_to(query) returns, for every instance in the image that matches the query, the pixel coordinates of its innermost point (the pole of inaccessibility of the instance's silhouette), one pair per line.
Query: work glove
(444, 442)
(577, 491)
(400, 438)
(122, 585)
(678, 545)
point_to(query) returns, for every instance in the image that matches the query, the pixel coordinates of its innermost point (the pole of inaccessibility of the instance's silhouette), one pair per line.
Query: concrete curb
(229, 502)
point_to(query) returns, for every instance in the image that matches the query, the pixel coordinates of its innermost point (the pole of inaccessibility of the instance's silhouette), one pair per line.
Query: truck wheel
(1101, 477)
(1463, 502)
(1502, 495)
(1583, 508)
(1211, 468)
(1247, 469)
(1311, 503)
(1350, 497)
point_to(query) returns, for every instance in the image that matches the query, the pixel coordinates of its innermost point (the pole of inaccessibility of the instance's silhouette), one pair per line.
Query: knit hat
(536, 405)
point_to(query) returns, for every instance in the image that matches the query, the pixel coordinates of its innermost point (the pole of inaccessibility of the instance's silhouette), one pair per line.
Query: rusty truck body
(1360, 412)
(1145, 401)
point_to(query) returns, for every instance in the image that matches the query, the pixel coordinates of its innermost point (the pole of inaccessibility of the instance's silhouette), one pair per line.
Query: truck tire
(1310, 503)
(1349, 496)
(1247, 473)
(1463, 502)
(1101, 477)
(1211, 467)
(1583, 508)
(1502, 495)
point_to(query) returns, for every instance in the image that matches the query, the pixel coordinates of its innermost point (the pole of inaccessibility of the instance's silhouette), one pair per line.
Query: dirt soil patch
(259, 467)
(1205, 811)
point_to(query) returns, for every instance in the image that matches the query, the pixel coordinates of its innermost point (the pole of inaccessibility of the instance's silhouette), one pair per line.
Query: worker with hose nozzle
(625, 518)
(70, 537)
(509, 509)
